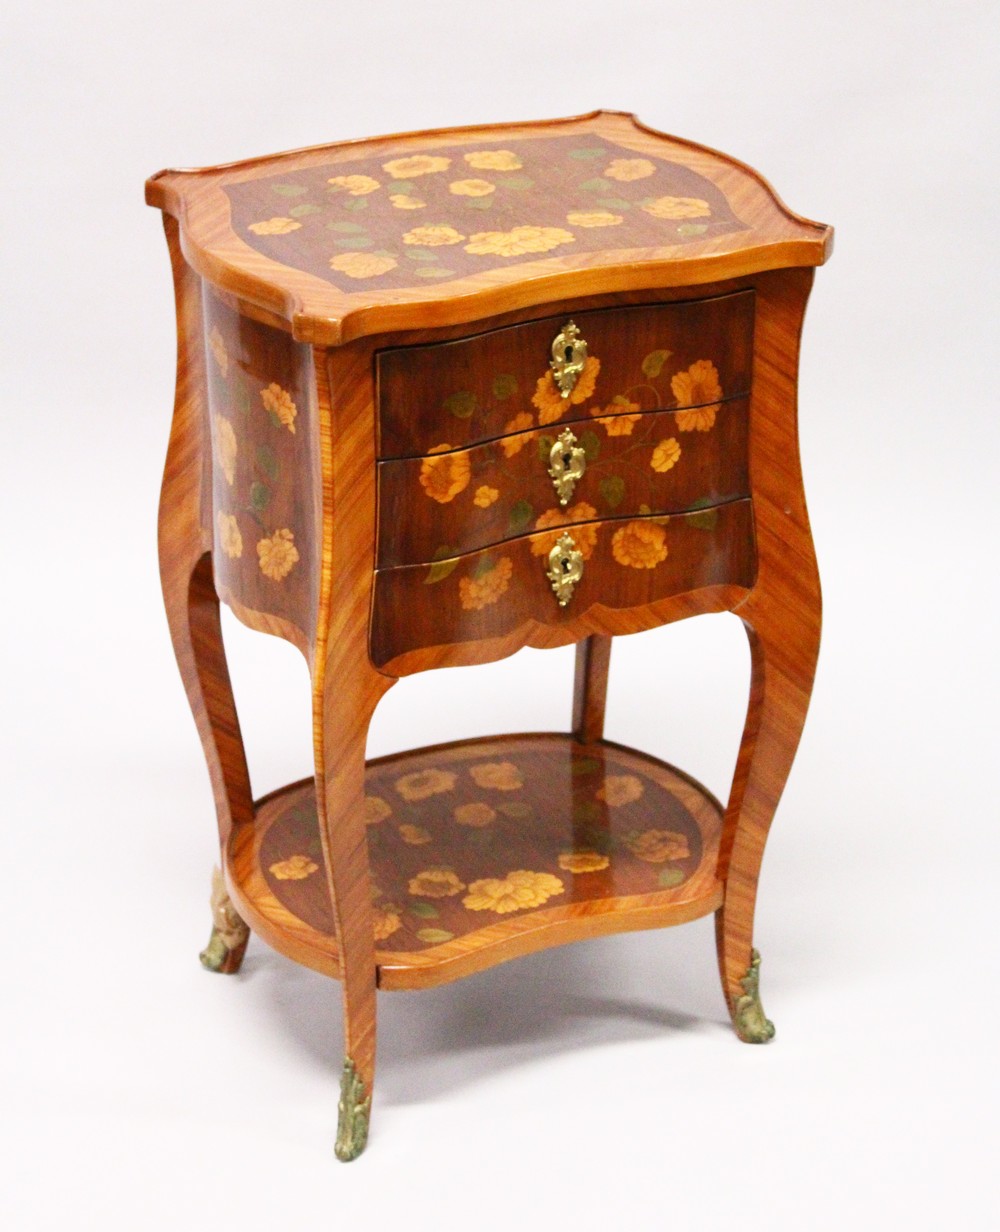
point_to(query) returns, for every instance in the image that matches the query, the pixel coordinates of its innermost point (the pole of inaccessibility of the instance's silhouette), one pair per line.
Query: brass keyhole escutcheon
(567, 463)
(565, 568)
(569, 357)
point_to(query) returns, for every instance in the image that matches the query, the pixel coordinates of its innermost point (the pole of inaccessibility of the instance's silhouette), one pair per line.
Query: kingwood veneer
(441, 396)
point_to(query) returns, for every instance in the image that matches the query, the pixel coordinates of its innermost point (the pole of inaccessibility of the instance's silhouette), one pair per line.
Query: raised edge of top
(749, 228)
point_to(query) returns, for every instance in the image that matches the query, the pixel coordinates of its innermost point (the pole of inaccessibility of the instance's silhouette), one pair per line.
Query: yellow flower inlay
(594, 218)
(435, 883)
(665, 455)
(274, 226)
(423, 783)
(277, 554)
(657, 846)
(476, 814)
(494, 160)
(279, 402)
(416, 836)
(444, 475)
(376, 810)
(518, 890)
(225, 447)
(471, 188)
(217, 345)
(230, 539)
(354, 185)
(582, 861)
(433, 237)
(512, 445)
(386, 921)
(619, 789)
(362, 264)
(585, 537)
(485, 496)
(699, 384)
(403, 201)
(479, 592)
(627, 169)
(640, 545)
(416, 164)
(519, 240)
(678, 207)
(295, 868)
(550, 402)
(500, 775)
(622, 422)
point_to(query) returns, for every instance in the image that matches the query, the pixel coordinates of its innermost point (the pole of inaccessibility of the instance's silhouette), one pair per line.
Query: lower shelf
(485, 850)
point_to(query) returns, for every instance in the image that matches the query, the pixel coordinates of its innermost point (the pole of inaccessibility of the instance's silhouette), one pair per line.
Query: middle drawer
(455, 501)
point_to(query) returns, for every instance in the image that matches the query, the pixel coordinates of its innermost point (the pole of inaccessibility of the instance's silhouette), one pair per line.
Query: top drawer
(450, 394)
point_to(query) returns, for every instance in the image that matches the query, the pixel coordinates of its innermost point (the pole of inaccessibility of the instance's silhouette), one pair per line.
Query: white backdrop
(598, 1082)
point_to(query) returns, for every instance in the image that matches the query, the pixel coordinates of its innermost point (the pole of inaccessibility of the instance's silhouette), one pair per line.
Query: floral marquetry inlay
(488, 832)
(482, 206)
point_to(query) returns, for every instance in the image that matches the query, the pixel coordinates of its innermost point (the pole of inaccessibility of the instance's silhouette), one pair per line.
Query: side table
(447, 394)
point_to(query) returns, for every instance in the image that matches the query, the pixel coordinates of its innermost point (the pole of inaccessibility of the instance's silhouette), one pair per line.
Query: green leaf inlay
(521, 514)
(356, 203)
(652, 365)
(671, 877)
(260, 496)
(588, 152)
(434, 936)
(590, 443)
(462, 404)
(425, 911)
(598, 185)
(267, 461)
(354, 241)
(445, 562)
(504, 385)
(612, 489)
(349, 228)
(707, 519)
(692, 228)
(517, 810)
(300, 211)
(288, 190)
(433, 271)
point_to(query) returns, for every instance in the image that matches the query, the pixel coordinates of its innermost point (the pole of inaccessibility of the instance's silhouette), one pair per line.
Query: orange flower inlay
(471, 188)
(354, 185)
(386, 921)
(665, 455)
(640, 545)
(274, 226)
(230, 539)
(485, 496)
(435, 883)
(619, 789)
(692, 388)
(415, 836)
(583, 861)
(279, 403)
(445, 474)
(657, 846)
(423, 783)
(512, 445)
(585, 537)
(486, 588)
(277, 554)
(518, 890)
(549, 400)
(500, 775)
(476, 814)
(295, 868)
(678, 207)
(376, 810)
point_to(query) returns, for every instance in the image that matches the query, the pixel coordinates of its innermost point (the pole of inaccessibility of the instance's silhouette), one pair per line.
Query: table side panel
(265, 466)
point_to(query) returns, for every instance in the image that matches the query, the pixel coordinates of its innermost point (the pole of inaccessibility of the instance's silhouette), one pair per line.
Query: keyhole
(565, 566)
(567, 459)
(569, 354)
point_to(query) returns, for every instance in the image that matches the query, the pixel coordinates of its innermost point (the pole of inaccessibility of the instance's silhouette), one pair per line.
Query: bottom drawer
(626, 563)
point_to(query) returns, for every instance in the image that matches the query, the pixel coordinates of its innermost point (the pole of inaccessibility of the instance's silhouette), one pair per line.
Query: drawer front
(650, 357)
(627, 563)
(448, 504)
